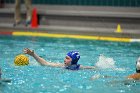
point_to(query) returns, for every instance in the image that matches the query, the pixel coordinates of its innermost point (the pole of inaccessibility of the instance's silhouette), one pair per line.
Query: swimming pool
(41, 79)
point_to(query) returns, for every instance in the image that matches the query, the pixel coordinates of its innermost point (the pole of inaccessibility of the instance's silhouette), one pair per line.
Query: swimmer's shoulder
(135, 76)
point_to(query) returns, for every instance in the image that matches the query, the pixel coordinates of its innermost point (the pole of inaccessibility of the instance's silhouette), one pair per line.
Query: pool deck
(78, 20)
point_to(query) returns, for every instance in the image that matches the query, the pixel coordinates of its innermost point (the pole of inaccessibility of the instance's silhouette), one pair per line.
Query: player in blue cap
(74, 56)
(70, 61)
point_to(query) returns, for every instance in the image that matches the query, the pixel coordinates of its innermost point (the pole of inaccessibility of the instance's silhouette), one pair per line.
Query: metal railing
(118, 3)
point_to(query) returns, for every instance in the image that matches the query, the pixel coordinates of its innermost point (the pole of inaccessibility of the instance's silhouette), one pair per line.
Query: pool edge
(86, 37)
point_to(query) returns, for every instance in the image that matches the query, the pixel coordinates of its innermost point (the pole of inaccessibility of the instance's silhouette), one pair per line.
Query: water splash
(105, 62)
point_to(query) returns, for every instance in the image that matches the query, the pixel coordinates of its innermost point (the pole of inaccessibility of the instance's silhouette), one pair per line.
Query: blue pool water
(34, 78)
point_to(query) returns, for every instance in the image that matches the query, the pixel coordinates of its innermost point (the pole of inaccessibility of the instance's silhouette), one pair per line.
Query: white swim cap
(138, 64)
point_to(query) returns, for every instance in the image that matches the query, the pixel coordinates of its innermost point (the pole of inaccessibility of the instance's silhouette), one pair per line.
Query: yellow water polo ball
(21, 60)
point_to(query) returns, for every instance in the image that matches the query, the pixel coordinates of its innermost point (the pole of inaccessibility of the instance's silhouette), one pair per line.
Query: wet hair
(74, 55)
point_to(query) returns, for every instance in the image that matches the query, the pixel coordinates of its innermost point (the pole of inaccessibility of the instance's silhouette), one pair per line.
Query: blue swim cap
(74, 55)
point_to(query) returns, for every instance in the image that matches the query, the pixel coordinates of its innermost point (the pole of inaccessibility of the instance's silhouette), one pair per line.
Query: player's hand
(28, 51)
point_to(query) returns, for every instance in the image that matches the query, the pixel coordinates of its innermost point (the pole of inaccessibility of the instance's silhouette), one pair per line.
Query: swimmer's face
(67, 61)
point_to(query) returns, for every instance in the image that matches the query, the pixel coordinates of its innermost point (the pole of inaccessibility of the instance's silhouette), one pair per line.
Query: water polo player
(136, 75)
(70, 61)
